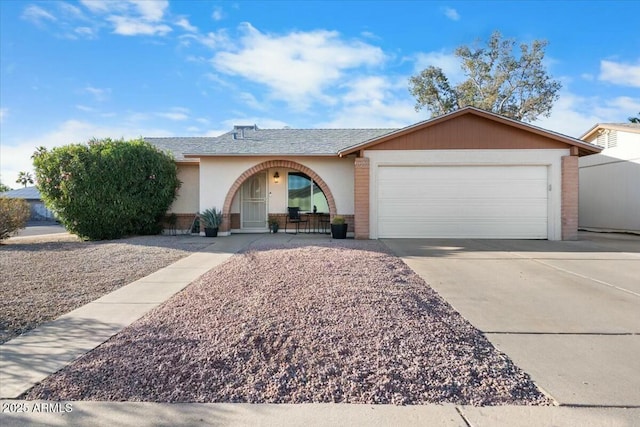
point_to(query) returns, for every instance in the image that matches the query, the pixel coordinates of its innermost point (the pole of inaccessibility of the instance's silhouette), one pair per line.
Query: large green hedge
(107, 188)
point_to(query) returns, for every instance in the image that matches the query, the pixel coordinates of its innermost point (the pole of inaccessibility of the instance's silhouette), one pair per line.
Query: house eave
(612, 126)
(584, 147)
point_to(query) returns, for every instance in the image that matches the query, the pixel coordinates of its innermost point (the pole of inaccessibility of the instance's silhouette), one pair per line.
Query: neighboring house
(610, 181)
(31, 194)
(469, 173)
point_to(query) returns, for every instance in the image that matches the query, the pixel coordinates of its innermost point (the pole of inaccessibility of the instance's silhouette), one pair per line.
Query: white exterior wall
(217, 175)
(189, 191)
(610, 187)
(551, 158)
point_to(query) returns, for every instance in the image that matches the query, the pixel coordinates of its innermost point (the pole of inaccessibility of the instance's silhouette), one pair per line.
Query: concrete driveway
(568, 313)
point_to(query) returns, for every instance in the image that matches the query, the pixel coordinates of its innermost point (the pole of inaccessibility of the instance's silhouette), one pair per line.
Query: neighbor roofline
(478, 112)
(613, 126)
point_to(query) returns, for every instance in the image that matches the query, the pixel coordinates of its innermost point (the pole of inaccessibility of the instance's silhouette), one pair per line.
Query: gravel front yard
(47, 276)
(335, 322)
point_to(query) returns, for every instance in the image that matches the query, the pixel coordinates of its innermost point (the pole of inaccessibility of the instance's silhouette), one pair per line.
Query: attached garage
(468, 174)
(462, 201)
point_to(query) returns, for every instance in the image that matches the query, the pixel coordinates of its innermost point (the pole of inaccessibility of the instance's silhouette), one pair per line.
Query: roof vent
(239, 130)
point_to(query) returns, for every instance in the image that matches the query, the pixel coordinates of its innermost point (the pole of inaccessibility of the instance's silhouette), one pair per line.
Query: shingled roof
(28, 193)
(252, 141)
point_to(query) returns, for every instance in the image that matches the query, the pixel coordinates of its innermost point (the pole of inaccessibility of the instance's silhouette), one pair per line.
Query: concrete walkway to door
(568, 313)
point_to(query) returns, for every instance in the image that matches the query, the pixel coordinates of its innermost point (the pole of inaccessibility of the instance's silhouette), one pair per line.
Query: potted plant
(211, 219)
(338, 227)
(274, 225)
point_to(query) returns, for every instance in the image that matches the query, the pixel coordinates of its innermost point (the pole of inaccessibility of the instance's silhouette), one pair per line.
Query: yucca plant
(211, 218)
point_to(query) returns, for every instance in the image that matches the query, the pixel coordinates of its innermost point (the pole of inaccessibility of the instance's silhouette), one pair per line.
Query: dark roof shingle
(258, 142)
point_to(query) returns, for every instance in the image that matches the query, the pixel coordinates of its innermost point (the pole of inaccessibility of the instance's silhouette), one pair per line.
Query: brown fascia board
(613, 126)
(584, 146)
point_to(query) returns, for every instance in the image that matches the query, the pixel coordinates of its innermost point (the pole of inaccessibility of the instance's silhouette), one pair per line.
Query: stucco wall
(219, 173)
(610, 187)
(189, 191)
(547, 157)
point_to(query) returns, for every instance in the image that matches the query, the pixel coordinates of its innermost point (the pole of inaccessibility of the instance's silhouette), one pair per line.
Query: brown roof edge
(585, 148)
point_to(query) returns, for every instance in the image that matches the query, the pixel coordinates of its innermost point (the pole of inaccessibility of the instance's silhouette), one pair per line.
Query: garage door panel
(500, 211)
(462, 201)
(450, 229)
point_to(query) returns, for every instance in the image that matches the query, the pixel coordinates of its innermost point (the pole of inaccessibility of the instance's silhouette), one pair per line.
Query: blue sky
(70, 71)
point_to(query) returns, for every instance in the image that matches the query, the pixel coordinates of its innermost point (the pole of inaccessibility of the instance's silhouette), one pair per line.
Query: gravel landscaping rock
(44, 277)
(336, 322)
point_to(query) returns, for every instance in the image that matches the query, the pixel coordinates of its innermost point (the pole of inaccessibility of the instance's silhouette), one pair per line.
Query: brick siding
(569, 209)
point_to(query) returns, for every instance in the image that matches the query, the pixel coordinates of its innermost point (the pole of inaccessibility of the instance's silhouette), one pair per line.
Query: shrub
(14, 214)
(107, 188)
(338, 220)
(211, 218)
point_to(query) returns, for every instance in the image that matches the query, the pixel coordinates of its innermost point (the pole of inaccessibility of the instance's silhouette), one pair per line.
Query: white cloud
(37, 15)
(573, 115)
(212, 40)
(251, 101)
(448, 62)
(176, 114)
(100, 95)
(126, 26)
(85, 108)
(71, 10)
(217, 14)
(133, 17)
(619, 73)
(98, 6)
(451, 13)
(151, 10)
(4, 112)
(185, 25)
(298, 66)
(86, 32)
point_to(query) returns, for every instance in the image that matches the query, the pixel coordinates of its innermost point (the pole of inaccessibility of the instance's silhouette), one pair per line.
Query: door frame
(266, 204)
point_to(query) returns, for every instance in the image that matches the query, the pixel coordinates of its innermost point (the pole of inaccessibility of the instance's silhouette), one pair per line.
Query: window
(305, 193)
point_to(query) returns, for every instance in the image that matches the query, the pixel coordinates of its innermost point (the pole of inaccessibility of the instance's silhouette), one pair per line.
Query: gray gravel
(339, 322)
(44, 277)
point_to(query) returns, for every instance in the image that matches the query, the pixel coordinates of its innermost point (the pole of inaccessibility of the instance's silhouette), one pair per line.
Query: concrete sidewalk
(114, 414)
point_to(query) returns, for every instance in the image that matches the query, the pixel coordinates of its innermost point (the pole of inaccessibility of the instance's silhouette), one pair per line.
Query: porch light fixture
(276, 177)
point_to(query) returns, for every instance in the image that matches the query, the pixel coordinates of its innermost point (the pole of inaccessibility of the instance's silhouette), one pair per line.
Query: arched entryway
(226, 209)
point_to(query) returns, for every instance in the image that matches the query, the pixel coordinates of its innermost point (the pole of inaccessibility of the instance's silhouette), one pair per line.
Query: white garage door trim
(462, 201)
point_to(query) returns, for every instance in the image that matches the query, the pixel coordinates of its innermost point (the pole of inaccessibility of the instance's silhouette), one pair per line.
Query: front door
(254, 202)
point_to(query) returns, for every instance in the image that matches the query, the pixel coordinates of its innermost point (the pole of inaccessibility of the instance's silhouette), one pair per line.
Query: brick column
(569, 206)
(361, 198)
(226, 223)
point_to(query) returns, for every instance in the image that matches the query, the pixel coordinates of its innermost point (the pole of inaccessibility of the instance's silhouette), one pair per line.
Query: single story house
(39, 211)
(610, 181)
(466, 174)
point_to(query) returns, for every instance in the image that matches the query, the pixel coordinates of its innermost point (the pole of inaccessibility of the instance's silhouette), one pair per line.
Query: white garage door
(463, 201)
